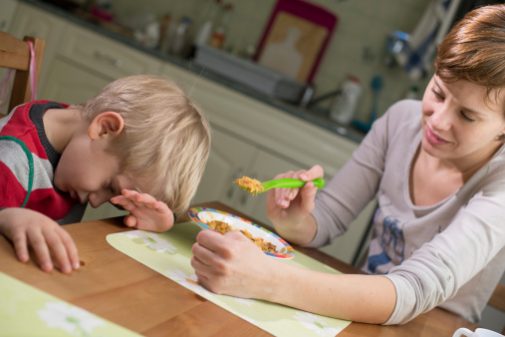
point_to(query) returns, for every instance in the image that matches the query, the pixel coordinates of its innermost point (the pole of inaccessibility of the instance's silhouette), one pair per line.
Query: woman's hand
(145, 211)
(50, 243)
(290, 209)
(231, 264)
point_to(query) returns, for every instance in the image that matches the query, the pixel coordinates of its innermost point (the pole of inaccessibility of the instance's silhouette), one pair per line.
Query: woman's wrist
(301, 232)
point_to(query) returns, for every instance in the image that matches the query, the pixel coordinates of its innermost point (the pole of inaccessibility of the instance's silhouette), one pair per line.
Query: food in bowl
(223, 227)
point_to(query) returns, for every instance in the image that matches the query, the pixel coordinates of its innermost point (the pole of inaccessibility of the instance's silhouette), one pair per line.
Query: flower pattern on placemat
(152, 241)
(314, 323)
(72, 319)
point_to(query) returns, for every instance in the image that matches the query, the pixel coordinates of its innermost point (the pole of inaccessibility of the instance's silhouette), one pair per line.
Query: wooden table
(118, 288)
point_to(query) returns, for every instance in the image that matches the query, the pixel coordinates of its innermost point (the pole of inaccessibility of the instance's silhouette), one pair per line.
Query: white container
(344, 105)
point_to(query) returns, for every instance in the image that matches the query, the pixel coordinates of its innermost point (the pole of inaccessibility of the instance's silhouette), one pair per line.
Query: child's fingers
(57, 250)
(140, 199)
(130, 221)
(124, 202)
(71, 249)
(39, 246)
(21, 247)
(145, 200)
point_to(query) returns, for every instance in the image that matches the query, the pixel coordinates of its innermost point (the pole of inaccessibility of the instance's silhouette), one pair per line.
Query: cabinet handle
(107, 58)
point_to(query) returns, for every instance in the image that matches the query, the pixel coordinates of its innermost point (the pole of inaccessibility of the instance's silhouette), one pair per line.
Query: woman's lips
(433, 138)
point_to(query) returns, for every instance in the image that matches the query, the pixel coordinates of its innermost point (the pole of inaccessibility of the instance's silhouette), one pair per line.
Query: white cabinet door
(230, 158)
(104, 56)
(7, 10)
(70, 83)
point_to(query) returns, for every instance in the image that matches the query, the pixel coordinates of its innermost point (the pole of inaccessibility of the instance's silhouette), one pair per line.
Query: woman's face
(459, 122)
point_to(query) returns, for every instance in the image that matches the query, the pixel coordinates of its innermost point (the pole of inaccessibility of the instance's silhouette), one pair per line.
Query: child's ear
(106, 124)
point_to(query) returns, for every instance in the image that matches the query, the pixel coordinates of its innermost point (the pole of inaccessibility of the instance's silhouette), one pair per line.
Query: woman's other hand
(146, 212)
(231, 264)
(50, 243)
(290, 209)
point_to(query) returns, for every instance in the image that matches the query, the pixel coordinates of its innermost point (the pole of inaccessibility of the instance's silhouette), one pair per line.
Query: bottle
(209, 19)
(164, 32)
(344, 105)
(180, 43)
(219, 35)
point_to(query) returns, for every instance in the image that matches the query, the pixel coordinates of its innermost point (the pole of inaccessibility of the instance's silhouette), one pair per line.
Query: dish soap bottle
(344, 105)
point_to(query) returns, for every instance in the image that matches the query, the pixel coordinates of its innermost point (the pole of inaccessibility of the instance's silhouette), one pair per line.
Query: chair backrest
(15, 54)
(497, 299)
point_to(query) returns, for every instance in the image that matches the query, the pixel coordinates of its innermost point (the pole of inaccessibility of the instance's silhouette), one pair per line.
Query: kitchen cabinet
(86, 62)
(7, 9)
(250, 137)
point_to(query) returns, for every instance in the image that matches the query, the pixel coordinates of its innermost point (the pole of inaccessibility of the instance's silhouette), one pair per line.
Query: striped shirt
(28, 162)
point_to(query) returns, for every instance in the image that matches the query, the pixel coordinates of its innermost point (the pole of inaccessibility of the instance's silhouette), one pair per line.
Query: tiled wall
(357, 47)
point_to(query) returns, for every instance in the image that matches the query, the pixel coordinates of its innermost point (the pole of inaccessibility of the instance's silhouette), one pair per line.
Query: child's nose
(98, 198)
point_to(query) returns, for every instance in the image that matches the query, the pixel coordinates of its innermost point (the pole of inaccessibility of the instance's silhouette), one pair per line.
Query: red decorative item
(295, 38)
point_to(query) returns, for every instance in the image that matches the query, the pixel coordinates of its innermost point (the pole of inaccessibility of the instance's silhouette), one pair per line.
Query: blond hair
(166, 139)
(474, 49)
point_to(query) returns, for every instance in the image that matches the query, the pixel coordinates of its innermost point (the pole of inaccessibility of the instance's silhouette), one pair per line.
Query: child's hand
(48, 240)
(145, 211)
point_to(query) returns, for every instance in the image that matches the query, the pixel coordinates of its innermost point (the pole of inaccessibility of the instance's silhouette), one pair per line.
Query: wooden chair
(497, 300)
(15, 54)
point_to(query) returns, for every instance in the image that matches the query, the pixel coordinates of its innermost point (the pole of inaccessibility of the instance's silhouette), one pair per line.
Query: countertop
(314, 116)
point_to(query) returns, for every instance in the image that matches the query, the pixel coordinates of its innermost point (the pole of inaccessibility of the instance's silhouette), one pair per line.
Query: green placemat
(170, 253)
(28, 312)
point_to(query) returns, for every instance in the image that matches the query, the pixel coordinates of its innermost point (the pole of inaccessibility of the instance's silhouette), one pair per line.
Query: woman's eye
(438, 95)
(466, 116)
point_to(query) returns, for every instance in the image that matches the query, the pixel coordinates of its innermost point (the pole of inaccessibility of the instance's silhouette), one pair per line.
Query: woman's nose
(441, 118)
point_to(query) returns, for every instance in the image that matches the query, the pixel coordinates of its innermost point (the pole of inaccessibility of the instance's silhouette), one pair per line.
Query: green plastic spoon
(255, 186)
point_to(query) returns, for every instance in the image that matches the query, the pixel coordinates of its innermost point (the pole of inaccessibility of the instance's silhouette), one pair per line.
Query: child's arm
(51, 244)
(231, 264)
(145, 211)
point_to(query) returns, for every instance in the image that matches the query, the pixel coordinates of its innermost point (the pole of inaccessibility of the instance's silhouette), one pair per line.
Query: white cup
(478, 333)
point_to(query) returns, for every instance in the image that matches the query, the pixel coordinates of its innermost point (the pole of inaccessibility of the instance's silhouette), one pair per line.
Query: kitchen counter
(313, 116)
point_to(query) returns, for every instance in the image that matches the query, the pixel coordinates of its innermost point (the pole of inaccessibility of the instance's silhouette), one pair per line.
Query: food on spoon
(251, 185)
(223, 227)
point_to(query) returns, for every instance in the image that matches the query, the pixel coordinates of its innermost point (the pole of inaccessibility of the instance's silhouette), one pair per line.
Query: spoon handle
(290, 183)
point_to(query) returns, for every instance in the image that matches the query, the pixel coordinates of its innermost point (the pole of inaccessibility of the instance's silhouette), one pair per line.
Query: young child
(140, 144)
(437, 170)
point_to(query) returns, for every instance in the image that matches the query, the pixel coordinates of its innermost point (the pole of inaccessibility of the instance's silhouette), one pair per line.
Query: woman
(437, 169)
